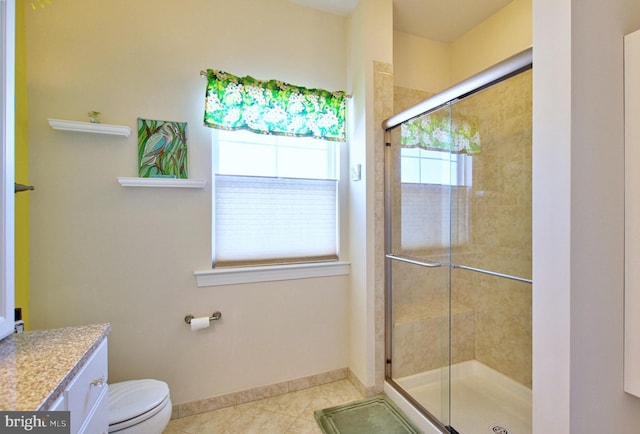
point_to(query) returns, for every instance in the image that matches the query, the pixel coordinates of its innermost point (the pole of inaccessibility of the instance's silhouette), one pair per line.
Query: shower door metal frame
(502, 71)
(509, 67)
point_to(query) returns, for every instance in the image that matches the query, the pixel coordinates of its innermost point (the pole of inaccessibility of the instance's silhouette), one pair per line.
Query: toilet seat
(133, 402)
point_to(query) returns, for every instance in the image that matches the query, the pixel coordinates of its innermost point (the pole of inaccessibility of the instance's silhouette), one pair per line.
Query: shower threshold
(483, 401)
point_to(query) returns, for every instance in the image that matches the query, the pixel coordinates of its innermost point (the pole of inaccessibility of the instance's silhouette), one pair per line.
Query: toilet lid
(130, 399)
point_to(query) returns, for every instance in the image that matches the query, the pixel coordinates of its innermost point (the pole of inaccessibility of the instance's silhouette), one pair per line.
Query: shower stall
(458, 253)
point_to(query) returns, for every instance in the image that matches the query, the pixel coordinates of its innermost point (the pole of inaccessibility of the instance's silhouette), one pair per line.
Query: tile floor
(291, 413)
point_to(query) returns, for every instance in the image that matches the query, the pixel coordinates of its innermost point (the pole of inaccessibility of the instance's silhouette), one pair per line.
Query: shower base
(483, 401)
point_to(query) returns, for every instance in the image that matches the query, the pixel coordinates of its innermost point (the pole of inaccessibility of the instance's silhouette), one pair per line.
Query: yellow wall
(22, 168)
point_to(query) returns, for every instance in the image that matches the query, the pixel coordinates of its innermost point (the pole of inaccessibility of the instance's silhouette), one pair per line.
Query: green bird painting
(162, 149)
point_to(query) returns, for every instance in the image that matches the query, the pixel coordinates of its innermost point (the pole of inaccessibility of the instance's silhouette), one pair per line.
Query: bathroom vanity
(59, 370)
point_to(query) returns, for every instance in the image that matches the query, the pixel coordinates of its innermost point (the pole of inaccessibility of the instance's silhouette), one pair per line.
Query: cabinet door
(85, 395)
(7, 118)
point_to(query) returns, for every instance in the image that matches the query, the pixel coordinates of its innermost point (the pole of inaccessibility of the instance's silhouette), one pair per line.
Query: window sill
(270, 273)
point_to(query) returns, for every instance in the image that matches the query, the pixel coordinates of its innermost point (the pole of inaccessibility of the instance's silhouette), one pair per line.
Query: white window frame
(266, 273)
(458, 170)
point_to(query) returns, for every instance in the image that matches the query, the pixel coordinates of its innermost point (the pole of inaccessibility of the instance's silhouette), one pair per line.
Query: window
(275, 194)
(436, 173)
(422, 166)
(275, 199)
(427, 178)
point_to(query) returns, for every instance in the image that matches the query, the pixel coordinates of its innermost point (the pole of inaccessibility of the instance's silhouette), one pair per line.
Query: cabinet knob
(99, 382)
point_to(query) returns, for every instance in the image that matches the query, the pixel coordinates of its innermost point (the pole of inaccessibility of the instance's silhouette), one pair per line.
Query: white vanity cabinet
(62, 369)
(85, 397)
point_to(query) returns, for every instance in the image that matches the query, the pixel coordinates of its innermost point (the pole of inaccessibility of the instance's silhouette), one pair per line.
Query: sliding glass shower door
(419, 257)
(458, 186)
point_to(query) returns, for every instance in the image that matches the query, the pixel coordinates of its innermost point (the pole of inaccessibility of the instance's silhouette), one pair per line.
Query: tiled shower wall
(491, 316)
(499, 213)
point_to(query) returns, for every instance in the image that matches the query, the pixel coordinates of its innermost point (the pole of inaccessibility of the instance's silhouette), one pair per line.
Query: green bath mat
(377, 415)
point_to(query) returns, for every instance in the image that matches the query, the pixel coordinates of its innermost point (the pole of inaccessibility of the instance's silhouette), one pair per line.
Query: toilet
(139, 407)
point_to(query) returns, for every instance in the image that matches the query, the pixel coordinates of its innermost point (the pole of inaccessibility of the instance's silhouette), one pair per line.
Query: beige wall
(420, 63)
(433, 66)
(370, 50)
(503, 34)
(578, 225)
(104, 253)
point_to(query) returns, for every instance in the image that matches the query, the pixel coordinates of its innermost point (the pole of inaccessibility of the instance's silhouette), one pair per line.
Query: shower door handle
(414, 261)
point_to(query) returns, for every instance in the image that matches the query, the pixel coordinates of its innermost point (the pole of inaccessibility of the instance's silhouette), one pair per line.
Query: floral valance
(273, 107)
(440, 133)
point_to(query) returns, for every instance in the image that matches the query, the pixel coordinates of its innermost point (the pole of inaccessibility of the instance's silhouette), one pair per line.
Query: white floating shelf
(162, 182)
(90, 127)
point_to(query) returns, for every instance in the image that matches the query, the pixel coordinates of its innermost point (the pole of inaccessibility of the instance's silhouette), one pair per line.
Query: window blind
(265, 220)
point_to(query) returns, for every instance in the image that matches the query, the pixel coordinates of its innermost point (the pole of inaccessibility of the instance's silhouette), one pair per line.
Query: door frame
(7, 164)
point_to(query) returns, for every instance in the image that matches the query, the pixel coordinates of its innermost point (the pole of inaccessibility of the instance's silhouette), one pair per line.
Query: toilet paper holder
(214, 317)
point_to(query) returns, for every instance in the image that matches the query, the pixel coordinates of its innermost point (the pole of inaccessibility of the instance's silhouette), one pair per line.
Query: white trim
(7, 173)
(162, 182)
(89, 127)
(270, 273)
(632, 213)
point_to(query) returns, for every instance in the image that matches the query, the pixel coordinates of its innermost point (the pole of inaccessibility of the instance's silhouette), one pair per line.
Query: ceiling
(439, 20)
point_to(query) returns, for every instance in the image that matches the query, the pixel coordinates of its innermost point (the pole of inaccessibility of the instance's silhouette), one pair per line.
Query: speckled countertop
(36, 366)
